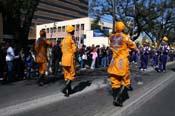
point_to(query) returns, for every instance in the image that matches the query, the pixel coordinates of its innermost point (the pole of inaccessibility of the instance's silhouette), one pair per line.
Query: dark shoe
(130, 88)
(117, 103)
(120, 95)
(68, 89)
(117, 97)
(41, 80)
(41, 83)
(125, 94)
(65, 91)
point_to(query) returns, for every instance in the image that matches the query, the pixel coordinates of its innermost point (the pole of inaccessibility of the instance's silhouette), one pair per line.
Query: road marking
(36, 103)
(146, 95)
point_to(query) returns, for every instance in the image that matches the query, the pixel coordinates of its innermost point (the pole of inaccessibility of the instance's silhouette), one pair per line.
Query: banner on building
(100, 33)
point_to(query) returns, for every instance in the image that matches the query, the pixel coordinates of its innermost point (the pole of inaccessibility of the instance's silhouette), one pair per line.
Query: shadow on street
(81, 86)
(173, 69)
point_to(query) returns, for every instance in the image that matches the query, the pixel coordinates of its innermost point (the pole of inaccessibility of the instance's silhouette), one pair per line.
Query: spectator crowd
(15, 64)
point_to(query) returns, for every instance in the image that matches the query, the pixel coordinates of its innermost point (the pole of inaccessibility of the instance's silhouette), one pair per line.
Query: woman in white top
(94, 56)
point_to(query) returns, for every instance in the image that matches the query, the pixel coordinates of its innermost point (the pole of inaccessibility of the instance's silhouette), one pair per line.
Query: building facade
(50, 11)
(83, 32)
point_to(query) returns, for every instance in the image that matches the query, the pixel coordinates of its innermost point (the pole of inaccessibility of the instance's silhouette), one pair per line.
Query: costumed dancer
(164, 50)
(151, 54)
(146, 51)
(119, 66)
(171, 54)
(68, 48)
(41, 55)
(134, 57)
(156, 56)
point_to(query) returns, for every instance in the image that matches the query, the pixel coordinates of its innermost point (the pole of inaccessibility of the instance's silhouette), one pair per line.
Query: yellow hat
(146, 40)
(42, 33)
(155, 43)
(69, 28)
(153, 46)
(120, 26)
(165, 38)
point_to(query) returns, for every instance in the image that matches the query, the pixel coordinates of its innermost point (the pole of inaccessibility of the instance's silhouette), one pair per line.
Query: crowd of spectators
(16, 65)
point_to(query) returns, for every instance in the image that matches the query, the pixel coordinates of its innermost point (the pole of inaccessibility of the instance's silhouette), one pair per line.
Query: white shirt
(10, 54)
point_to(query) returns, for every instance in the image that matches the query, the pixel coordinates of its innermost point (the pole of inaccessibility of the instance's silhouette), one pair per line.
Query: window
(47, 30)
(51, 30)
(63, 28)
(54, 29)
(77, 27)
(60, 38)
(82, 26)
(77, 39)
(59, 29)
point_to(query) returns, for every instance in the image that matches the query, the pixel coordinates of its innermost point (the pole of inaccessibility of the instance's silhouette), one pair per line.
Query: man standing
(10, 56)
(69, 48)
(119, 66)
(2, 62)
(57, 54)
(41, 55)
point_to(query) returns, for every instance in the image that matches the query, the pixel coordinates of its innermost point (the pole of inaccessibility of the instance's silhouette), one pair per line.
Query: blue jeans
(10, 69)
(57, 67)
(104, 61)
(93, 64)
(28, 72)
(82, 63)
(163, 62)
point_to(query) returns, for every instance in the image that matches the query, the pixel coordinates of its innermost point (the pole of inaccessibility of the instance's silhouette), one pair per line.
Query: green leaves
(155, 18)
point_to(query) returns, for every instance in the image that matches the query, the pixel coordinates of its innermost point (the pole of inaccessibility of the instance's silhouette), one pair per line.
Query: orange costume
(118, 69)
(68, 48)
(41, 52)
(68, 59)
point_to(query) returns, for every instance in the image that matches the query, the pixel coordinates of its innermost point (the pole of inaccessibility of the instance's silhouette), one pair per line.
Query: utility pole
(114, 16)
(1, 27)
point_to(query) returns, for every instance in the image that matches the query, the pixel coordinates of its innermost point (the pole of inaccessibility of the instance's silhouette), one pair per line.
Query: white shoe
(141, 69)
(46, 73)
(140, 83)
(83, 69)
(92, 68)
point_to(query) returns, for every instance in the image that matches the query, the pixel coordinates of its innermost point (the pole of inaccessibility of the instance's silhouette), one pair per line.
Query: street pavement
(92, 97)
(162, 104)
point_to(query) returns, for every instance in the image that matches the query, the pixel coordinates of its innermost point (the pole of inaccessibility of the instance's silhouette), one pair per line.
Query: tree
(99, 8)
(17, 17)
(95, 24)
(163, 24)
(155, 18)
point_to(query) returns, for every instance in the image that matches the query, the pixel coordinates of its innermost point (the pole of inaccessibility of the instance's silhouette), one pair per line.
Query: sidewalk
(51, 93)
